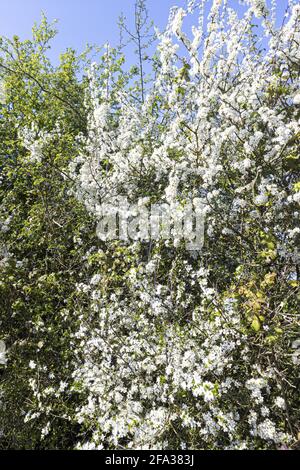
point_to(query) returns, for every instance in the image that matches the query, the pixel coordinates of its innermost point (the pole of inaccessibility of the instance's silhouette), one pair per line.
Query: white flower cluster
(157, 359)
(169, 345)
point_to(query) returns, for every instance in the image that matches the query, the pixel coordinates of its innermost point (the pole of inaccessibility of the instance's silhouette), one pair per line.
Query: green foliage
(37, 284)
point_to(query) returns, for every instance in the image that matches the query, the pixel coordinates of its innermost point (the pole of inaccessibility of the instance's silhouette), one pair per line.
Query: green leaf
(256, 325)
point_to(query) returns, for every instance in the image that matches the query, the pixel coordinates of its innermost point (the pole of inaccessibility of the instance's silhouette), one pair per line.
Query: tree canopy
(135, 341)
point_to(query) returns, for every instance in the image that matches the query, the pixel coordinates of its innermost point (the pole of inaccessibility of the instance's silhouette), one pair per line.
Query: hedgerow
(135, 342)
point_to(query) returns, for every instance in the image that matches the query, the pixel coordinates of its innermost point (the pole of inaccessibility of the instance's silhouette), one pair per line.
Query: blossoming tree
(173, 348)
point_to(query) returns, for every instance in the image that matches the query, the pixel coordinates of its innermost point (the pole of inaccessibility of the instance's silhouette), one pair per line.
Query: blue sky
(81, 22)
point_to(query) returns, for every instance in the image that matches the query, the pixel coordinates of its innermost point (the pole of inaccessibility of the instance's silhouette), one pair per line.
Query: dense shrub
(144, 343)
